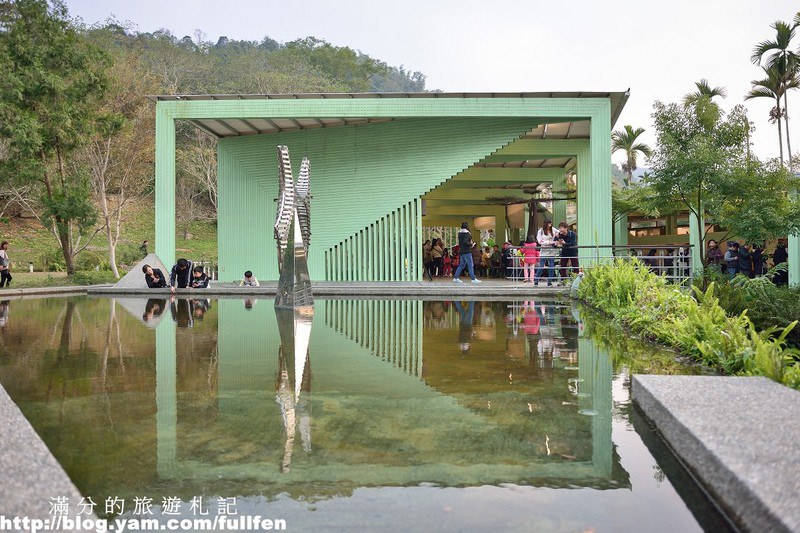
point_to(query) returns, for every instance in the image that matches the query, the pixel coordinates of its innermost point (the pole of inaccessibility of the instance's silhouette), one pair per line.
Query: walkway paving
(738, 435)
(439, 288)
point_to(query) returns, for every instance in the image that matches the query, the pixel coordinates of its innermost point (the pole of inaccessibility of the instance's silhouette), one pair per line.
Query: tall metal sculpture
(293, 233)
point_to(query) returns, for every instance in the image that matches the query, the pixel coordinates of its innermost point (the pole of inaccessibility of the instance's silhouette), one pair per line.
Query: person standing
(5, 265)
(427, 257)
(732, 259)
(780, 257)
(547, 252)
(569, 249)
(715, 257)
(745, 261)
(757, 257)
(143, 248)
(465, 245)
(437, 250)
(530, 256)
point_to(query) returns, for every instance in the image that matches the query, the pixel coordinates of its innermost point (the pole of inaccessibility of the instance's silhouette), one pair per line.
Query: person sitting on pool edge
(154, 277)
(200, 279)
(249, 280)
(181, 274)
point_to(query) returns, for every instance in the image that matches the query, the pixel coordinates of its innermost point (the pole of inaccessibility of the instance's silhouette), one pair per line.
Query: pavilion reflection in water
(397, 400)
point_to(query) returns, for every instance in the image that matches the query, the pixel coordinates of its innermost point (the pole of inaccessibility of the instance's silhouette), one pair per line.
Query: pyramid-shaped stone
(135, 278)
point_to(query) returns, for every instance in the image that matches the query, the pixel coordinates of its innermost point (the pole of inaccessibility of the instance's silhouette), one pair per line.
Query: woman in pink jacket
(530, 255)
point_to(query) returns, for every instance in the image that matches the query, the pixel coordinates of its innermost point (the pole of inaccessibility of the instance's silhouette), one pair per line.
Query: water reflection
(294, 376)
(458, 394)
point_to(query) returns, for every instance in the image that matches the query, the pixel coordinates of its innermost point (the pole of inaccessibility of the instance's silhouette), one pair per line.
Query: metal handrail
(675, 264)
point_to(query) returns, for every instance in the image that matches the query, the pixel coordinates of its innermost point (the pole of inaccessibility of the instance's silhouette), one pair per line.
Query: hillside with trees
(77, 133)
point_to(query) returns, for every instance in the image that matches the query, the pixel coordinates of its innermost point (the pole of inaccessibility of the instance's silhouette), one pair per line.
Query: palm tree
(626, 140)
(785, 61)
(773, 86)
(706, 109)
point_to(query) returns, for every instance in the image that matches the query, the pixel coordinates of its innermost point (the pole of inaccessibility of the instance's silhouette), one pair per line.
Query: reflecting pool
(400, 415)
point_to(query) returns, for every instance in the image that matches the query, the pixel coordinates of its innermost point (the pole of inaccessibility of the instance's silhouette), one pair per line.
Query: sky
(655, 49)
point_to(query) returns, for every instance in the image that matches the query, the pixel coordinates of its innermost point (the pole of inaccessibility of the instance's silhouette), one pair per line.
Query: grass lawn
(25, 280)
(29, 243)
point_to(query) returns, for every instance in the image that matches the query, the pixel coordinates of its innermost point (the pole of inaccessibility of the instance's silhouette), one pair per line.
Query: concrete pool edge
(32, 475)
(346, 289)
(733, 437)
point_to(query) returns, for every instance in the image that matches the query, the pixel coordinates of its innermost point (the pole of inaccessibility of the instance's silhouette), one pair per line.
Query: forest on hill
(73, 110)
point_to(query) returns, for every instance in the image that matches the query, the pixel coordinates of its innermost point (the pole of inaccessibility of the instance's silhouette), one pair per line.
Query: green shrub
(93, 277)
(696, 324)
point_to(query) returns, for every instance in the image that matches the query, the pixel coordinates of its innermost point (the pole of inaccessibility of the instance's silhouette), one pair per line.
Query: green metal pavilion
(384, 165)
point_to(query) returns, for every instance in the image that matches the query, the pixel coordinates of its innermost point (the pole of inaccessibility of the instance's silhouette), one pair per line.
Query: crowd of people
(749, 260)
(533, 260)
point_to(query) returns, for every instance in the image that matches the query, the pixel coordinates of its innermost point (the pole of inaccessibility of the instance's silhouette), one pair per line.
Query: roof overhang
(555, 128)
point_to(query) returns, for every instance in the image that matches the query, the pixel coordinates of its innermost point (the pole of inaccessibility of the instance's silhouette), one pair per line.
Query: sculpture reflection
(293, 382)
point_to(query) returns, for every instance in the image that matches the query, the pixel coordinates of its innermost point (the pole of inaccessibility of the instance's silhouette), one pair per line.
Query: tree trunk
(786, 120)
(66, 249)
(112, 257)
(780, 132)
(533, 207)
(630, 172)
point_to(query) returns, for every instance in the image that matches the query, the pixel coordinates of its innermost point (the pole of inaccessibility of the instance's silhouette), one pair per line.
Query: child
(530, 254)
(249, 280)
(199, 278)
(446, 261)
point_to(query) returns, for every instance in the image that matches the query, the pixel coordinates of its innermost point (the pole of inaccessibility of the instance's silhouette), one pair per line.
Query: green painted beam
(434, 204)
(476, 210)
(513, 182)
(522, 174)
(470, 194)
(546, 108)
(539, 147)
(519, 158)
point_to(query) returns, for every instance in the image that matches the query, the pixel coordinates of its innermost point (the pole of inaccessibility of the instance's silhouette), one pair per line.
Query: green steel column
(417, 240)
(360, 256)
(672, 224)
(794, 259)
(500, 228)
(392, 249)
(694, 239)
(339, 263)
(372, 252)
(621, 231)
(381, 249)
(348, 259)
(560, 208)
(166, 399)
(594, 185)
(165, 184)
(476, 233)
(401, 219)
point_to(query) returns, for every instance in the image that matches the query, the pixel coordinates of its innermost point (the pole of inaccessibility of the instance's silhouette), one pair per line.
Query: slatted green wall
(366, 182)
